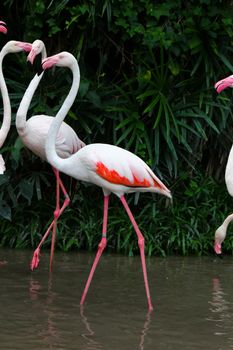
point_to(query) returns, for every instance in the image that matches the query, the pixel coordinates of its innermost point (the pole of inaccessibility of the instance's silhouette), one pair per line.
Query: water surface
(192, 299)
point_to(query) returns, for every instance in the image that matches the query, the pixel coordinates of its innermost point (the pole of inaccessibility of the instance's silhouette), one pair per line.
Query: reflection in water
(92, 344)
(221, 312)
(41, 313)
(219, 304)
(145, 331)
(34, 289)
(49, 334)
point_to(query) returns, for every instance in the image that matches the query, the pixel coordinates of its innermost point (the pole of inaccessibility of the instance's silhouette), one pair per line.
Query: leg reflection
(46, 311)
(123, 340)
(92, 344)
(145, 330)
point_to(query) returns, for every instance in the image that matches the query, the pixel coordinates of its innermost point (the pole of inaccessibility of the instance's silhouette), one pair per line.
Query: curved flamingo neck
(227, 221)
(6, 123)
(50, 147)
(21, 115)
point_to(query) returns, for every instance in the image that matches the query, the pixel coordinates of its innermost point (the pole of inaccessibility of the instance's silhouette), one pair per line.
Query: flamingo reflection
(49, 333)
(90, 335)
(221, 313)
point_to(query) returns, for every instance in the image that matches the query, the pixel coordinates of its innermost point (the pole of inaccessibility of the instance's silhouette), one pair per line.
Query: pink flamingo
(10, 47)
(6, 123)
(112, 168)
(220, 233)
(33, 133)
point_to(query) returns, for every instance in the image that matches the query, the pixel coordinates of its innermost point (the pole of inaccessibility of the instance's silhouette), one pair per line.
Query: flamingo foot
(35, 259)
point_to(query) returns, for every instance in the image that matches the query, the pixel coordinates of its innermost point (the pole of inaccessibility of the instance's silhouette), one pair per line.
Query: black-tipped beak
(220, 256)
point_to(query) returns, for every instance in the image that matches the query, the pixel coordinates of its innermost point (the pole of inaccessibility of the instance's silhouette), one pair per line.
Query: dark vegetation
(147, 75)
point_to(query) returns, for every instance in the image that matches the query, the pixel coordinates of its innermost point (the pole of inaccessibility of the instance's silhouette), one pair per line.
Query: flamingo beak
(31, 56)
(49, 62)
(24, 46)
(3, 28)
(224, 83)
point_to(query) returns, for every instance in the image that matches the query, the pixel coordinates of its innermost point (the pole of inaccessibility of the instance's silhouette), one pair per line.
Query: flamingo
(33, 134)
(112, 168)
(6, 121)
(220, 233)
(10, 47)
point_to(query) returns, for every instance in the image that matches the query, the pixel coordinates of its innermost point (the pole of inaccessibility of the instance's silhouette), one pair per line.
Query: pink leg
(141, 247)
(58, 211)
(56, 216)
(101, 247)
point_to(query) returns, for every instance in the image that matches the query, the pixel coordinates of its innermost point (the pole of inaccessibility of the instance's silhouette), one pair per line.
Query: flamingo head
(217, 248)
(224, 83)
(220, 235)
(37, 48)
(62, 59)
(3, 27)
(17, 46)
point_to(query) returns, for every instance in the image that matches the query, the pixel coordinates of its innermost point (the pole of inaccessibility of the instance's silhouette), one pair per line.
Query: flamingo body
(36, 130)
(229, 173)
(112, 168)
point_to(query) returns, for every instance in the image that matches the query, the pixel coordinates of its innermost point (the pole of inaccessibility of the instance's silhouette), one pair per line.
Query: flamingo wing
(67, 141)
(121, 167)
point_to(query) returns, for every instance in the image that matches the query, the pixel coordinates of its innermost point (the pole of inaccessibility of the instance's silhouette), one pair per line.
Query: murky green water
(192, 298)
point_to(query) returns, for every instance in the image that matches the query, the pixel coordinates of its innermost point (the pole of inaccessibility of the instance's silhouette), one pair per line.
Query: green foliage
(147, 75)
(148, 71)
(183, 227)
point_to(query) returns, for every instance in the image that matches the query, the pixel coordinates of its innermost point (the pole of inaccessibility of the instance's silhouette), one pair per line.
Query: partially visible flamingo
(112, 168)
(10, 47)
(6, 123)
(220, 233)
(3, 27)
(33, 133)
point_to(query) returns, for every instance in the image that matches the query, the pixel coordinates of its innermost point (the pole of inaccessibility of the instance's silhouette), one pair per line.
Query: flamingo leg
(56, 215)
(141, 247)
(101, 247)
(58, 211)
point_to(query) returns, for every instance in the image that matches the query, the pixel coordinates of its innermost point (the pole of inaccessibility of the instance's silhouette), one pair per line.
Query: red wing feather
(114, 177)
